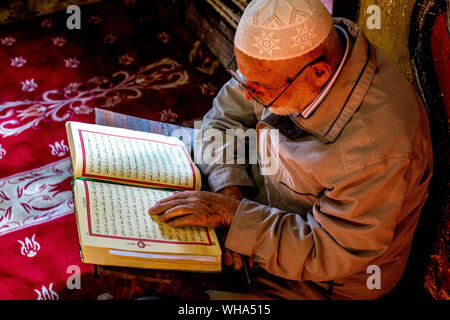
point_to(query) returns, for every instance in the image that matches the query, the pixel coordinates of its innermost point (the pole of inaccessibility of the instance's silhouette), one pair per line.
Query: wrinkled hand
(231, 257)
(199, 208)
(232, 191)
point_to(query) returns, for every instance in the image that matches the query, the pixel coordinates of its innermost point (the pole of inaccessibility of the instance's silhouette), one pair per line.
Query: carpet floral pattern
(131, 57)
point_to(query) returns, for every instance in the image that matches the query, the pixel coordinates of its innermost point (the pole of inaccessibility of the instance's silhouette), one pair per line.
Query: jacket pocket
(297, 199)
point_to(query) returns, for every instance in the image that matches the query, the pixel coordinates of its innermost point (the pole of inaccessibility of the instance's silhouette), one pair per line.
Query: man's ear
(321, 73)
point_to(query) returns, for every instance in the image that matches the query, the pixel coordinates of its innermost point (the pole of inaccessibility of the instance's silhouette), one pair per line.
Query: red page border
(89, 175)
(91, 233)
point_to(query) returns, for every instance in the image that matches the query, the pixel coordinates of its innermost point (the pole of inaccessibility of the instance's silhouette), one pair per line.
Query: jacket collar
(348, 91)
(313, 105)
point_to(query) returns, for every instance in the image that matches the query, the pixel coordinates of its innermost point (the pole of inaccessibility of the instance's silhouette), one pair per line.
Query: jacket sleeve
(223, 129)
(350, 225)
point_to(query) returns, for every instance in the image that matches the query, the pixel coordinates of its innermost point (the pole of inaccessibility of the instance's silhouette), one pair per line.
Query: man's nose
(247, 95)
(256, 91)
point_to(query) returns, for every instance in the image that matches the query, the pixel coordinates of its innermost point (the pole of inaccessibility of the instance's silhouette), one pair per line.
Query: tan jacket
(349, 189)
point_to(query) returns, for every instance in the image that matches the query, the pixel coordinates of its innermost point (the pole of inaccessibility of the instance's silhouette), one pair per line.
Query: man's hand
(230, 257)
(199, 208)
(233, 191)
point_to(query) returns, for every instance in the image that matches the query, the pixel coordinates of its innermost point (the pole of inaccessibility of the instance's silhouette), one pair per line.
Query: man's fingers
(161, 207)
(176, 212)
(164, 204)
(188, 220)
(237, 260)
(227, 258)
(232, 258)
(176, 195)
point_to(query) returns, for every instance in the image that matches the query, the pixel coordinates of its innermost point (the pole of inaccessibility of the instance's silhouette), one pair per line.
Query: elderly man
(353, 158)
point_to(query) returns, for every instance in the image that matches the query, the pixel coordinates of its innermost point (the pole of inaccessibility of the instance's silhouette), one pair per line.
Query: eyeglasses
(252, 91)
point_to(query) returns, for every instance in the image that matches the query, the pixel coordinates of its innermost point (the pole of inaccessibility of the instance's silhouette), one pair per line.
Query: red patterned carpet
(127, 58)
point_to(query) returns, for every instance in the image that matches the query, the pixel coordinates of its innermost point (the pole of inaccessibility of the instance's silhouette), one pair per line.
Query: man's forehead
(259, 72)
(266, 71)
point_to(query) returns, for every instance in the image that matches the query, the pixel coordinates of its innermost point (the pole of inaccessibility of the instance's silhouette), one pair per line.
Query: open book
(118, 175)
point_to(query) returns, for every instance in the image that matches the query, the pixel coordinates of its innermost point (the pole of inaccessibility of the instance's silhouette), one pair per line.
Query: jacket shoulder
(391, 122)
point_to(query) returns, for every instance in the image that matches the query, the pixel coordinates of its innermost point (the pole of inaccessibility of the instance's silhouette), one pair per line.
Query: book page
(116, 216)
(131, 157)
(144, 255)
(118, 120)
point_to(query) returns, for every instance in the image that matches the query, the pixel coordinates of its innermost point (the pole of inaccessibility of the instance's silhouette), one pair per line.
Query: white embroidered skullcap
(282, 29)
